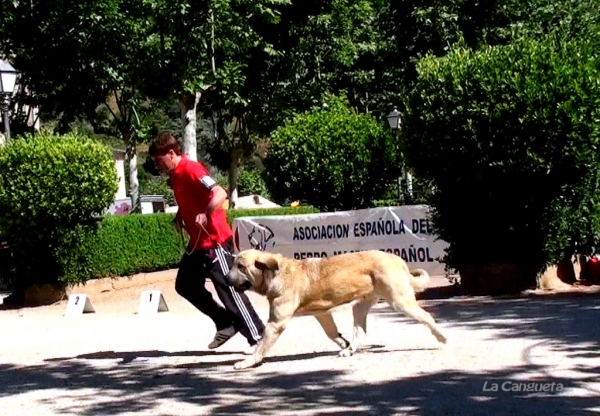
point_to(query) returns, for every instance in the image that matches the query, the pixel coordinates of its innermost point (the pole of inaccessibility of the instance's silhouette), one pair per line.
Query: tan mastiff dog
(318, 285)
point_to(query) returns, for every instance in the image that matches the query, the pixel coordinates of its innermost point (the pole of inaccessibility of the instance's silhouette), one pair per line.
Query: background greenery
(507, 142)
(509, 136)
(53, 191)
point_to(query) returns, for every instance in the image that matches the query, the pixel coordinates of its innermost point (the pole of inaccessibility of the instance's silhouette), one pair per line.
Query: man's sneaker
(221, 337)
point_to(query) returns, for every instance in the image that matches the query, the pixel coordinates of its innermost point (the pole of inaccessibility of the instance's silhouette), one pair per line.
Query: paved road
(115, 362)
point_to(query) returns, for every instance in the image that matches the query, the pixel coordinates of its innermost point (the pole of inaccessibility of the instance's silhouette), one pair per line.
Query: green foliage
(416, 28)
(51, 189)
(237, 213)
(135, 243)
(250, 182)
(510, 138)
(324, 46)
(213, 44)
(109, 55)
(332, 158)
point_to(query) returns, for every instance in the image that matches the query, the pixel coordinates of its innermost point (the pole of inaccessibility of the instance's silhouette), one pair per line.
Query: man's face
(167, 162)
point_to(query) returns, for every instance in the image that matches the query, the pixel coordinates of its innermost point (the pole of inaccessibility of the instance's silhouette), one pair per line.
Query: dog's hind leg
(412, 309)
(330, 328)
(360, 311)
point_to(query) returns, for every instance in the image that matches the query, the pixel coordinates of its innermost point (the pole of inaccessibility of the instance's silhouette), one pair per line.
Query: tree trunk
(188, 123)
(232, 173)
(134, 185)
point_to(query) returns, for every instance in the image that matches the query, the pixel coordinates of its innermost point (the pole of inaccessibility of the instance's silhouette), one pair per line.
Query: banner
(404, 231)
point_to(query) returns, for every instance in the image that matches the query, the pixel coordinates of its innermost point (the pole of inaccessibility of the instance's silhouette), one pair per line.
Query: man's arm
(218, 198)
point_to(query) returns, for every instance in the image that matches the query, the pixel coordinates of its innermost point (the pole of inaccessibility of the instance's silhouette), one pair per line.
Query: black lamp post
(8, 79)
(395, 122)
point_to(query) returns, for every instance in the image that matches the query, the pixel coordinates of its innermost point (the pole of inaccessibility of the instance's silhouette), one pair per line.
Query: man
(208, 254)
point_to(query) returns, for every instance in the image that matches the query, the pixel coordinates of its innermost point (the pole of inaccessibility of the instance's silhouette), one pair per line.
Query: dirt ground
(117, 362)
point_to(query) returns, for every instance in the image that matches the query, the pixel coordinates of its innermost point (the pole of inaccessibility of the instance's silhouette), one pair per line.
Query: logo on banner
(260, 237)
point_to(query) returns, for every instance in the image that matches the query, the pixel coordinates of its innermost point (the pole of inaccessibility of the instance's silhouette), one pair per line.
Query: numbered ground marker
(152, 301)
(79, 304)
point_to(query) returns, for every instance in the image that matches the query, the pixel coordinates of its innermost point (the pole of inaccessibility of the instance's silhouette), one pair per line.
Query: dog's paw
(346, 352)
(242, 365)
(441, 338)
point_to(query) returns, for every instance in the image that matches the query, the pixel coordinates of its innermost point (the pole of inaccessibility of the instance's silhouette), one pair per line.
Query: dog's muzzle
(245, 285)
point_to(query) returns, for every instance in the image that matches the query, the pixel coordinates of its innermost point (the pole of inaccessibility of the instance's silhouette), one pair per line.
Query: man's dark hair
(163, 143)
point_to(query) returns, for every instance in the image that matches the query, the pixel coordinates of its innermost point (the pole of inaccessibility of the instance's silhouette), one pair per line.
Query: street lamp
(8, 79)
(395, 122)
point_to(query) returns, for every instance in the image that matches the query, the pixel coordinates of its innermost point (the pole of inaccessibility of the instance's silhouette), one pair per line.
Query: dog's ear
(267, 263)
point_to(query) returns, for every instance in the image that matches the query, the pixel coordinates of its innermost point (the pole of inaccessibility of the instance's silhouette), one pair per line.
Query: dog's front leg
(273, 329)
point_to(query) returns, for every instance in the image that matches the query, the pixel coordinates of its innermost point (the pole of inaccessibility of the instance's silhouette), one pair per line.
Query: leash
(215, 242)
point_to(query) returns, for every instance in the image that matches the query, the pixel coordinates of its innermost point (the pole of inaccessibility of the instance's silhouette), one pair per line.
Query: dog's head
(253, 269)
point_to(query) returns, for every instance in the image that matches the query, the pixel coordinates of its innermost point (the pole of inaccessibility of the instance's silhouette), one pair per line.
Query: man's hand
(201, 220)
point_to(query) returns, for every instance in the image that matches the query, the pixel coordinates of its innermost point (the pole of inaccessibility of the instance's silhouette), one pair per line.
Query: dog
(316, 286)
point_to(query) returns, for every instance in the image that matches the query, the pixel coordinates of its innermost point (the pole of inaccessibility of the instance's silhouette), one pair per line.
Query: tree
(322, 47)
(509, 136)
(432, 27)
(333, 158)
(75, 56)
(205, 47)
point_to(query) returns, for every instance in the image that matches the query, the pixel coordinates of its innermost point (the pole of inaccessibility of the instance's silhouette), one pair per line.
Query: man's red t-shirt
(192, 186)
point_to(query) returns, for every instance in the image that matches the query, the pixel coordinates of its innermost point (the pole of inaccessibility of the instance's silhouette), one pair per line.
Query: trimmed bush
(332, 158)
(139, 243)
(510, 137)
(237, 213)
(51, 190)
(135, 243)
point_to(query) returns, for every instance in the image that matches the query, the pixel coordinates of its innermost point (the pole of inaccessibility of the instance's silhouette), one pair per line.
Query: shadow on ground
(563, 322)
(126, 357)
(568, 323)
(135, 388)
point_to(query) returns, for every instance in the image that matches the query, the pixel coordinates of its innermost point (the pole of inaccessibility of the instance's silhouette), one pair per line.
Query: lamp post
(395, 122)
(8, 79)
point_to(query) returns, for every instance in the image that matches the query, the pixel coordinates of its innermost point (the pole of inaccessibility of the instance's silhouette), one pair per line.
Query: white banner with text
(404, 231)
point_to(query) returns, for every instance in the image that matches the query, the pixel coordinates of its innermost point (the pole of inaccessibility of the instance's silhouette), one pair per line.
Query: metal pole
(409, 186)
(5, 103)
(400, 193)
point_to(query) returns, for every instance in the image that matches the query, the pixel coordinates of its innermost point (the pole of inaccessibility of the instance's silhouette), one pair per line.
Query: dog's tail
(419, 279)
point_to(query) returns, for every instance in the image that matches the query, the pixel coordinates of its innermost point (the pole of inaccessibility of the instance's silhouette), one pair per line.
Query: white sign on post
(404, 231)
(79, 304)
(152, 301)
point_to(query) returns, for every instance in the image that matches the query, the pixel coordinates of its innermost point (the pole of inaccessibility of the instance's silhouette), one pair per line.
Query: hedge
(135, 243)
(139, 243)
(52, 190)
